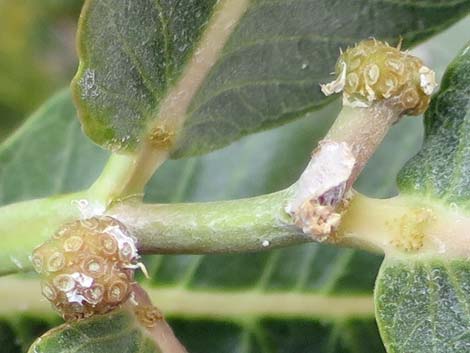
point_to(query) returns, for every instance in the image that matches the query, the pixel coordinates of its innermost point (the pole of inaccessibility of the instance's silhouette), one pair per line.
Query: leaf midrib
(174, 107)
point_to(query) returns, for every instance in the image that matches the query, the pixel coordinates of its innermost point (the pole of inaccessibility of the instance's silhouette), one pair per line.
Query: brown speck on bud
(374, 71)
(87, 267)
(73, 244)
(38, 263)
(161, 137)
(148, 315)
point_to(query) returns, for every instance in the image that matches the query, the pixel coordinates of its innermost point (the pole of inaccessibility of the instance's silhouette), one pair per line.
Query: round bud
(373, 71)
(87, 267)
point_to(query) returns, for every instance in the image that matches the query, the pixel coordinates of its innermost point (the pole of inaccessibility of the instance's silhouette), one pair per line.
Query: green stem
(398, 226)
(127, 175)
(25, 225)
(363, 130)
(229, 226)
(114, 177)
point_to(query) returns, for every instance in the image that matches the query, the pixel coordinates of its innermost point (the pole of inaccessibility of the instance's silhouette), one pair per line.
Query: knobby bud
(87, 267)
(374, 71)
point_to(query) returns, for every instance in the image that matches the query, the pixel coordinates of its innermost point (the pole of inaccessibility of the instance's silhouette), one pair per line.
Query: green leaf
(148, 63)
(130, 53)
(19, 331)
(422, 302)
(423, 305)
(441, 169)
(118, 332)
(48, 155)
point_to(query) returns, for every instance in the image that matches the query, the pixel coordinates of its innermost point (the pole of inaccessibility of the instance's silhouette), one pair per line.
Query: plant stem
(213, 227)
(399, 226)
(380, 84)
(114, 177)
(127, 175)
(323, 190)
(404, 226)
(159, 331)
(25, 225)
(362, 129)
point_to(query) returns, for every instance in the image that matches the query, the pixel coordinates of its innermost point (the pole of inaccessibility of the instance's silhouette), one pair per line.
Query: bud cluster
(87, 267)
(374, 71)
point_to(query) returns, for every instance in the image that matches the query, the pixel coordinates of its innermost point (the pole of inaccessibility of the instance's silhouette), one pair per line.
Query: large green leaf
(441, 169)
(148, 63)
(422, 302)
(423, 305)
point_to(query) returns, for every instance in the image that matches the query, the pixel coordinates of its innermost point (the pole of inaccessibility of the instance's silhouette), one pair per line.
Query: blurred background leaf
(242, 169)
(37, 54)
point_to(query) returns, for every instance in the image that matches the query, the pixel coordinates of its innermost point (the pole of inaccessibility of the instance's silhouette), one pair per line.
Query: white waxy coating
(328, 169)
(427, 80)
(82, 283)
(126, 244)
(337, 85)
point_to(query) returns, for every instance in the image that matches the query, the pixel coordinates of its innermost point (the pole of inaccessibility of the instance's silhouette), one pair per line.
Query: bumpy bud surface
(87, 267)
(374, 71)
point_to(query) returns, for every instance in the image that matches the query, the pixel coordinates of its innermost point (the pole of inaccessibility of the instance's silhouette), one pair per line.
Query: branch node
(323, 190)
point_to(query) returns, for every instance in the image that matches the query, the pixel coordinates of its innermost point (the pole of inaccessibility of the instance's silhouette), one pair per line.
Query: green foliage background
(37, 54)
(34, 63)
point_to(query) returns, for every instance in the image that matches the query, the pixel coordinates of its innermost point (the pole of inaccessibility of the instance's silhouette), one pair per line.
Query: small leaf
(423, 305)
(441, 169)
(216, 71)
(117, 332)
